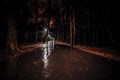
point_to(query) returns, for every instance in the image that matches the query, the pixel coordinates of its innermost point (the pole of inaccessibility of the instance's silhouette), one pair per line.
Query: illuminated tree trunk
(72, 27)
(71, 30)
(12, 45)
(74, 31)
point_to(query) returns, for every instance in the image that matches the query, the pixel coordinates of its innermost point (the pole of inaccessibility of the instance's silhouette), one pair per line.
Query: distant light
(45, 29)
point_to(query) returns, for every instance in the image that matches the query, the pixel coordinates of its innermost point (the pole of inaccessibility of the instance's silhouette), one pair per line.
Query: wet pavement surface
(60, 63)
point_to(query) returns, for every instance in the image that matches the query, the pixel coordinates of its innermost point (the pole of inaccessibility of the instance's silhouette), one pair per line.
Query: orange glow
(51, 22)
(35, 62)
(40, 19)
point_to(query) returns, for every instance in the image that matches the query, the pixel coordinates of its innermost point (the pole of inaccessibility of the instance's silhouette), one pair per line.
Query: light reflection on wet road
(62, 63)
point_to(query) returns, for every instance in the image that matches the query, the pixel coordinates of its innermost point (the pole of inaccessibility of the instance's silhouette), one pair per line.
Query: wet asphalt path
(62, 63)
